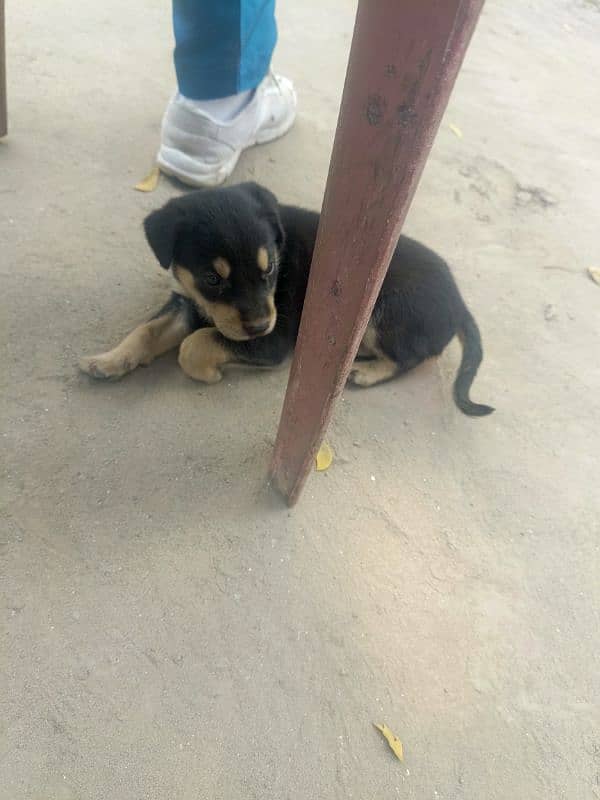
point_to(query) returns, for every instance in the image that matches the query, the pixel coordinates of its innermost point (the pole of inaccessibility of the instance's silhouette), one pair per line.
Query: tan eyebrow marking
(186, 280)
(262, 259)
(222, 267)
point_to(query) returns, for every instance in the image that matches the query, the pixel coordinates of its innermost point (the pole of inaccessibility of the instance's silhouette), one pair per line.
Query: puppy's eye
(212, 279)
(269, 270)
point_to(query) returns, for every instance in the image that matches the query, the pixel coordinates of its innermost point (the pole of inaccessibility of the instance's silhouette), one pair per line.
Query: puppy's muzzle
(259, 327)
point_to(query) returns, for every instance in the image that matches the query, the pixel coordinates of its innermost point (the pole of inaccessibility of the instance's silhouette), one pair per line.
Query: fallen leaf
(594, 273)
(456, 130)
(150, 182)
(324, 457)
(393, 741)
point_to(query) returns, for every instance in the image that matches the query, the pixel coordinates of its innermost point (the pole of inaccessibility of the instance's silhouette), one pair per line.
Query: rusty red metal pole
(403, 63)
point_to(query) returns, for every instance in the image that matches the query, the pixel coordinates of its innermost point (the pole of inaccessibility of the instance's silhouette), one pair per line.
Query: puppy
(240, 262)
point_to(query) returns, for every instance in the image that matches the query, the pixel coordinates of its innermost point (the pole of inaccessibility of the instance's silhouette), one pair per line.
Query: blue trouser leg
(222, 46)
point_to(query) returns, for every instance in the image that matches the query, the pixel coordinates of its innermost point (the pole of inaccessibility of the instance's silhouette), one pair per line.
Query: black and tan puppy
(240, 265)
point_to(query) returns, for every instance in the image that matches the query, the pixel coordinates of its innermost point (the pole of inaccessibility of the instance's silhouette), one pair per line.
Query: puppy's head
(223, 248)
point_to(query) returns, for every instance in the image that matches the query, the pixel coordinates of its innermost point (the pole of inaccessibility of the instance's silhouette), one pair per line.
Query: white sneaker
(202, 151)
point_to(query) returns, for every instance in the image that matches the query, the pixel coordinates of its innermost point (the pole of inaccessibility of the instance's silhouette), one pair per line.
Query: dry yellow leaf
(456, 130)
(324, 457)
(594, 273)
(393, 741)
(150, 182)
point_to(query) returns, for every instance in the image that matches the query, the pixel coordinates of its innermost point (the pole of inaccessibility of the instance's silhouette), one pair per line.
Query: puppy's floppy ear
(266, 198)
(162, 228)
(269, 208)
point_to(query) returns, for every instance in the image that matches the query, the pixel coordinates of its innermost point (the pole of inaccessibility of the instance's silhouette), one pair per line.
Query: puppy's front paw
(194, 358)
(206, 375)
(106, 366)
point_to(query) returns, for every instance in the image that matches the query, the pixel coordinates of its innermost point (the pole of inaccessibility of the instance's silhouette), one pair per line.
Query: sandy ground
(168, 631)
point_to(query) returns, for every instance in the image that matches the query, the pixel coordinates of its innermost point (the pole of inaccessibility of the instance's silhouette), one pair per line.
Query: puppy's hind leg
(379, 368)
(369, 373)
(163, 332)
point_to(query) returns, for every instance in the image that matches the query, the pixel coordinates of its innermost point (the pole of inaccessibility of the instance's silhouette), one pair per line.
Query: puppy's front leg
(145, 343)
(203, 353)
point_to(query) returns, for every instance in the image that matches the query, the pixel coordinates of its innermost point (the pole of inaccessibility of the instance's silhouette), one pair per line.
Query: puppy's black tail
(471, 359)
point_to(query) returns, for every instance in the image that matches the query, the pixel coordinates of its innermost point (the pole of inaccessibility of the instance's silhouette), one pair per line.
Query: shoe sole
(176, 164)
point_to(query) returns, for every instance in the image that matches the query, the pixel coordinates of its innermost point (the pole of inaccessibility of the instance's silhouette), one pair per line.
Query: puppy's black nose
(256, 328)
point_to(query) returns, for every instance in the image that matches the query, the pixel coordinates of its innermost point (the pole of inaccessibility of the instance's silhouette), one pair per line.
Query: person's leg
(222, 48)
(228, 99)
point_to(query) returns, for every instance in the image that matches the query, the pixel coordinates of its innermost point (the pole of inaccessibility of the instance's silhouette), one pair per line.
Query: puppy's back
(300, 226)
